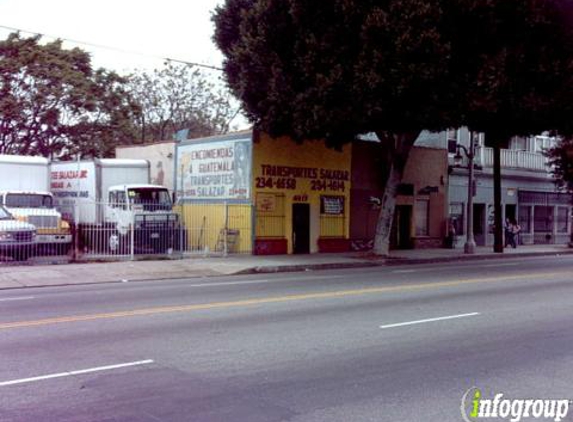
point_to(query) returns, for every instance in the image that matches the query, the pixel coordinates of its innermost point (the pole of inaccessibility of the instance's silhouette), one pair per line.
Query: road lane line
(423, 321)
(78, 372)
(9, 299)
(404, 271)
(336, 294)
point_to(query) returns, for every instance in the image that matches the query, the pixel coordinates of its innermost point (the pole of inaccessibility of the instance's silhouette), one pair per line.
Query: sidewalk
(198, 266)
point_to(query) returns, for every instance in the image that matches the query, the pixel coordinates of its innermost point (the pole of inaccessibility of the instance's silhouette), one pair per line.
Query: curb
(307, 267)
(414, 261)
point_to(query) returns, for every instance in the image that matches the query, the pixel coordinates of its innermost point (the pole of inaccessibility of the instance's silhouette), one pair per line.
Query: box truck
(113, 206)
(25, 194)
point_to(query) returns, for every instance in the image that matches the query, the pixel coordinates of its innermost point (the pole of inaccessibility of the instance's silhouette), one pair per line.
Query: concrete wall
(369, 172)
(161, 157)
(426, 170)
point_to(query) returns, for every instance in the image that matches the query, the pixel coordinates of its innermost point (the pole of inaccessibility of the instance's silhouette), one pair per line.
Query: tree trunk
(402, 144)
(497, 218)
(386, 216)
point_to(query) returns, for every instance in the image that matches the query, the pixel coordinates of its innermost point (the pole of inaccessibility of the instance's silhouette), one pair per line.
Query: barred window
(270, 215)
(332, 216)
(543, 219)
(562, 219)
(525, 218)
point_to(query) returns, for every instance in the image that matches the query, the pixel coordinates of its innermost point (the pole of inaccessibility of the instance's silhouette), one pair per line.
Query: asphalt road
(376, 344)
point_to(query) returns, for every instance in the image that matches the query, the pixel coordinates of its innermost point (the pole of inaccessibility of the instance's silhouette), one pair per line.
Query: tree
(561, 161)
(53, 104)
(334, 70)
(514, 60)
(179, 98)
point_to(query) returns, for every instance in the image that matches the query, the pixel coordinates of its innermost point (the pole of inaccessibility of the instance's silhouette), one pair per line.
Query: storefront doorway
(479, 224)
(301, 228)
(401, 237)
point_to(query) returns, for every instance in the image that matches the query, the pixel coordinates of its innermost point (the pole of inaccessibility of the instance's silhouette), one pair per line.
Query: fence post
(76, 232)
(181, 226)
(226, 232)
(253, 227)
(132, 239)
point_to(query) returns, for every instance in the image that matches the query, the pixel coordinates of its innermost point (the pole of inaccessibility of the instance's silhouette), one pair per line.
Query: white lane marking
(422, 321)
(404, 271)
(515, 264)
(8, 299)
(78, 372)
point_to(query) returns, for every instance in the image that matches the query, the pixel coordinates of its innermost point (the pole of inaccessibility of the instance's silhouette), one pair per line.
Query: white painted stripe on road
(9, 299)
(404, 271)
(422, 321)
(78, 372)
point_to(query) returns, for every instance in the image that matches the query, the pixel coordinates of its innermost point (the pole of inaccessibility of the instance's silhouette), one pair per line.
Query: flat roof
(23, 159)
(242, 134)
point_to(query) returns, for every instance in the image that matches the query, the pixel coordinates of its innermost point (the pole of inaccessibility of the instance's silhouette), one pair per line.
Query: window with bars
(562, 219)
(525, 218)
(543, 219)
(332, 216)
(270, 215)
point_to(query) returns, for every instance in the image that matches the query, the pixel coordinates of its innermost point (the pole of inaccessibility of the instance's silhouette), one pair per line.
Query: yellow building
(302, 196)
(269, 195)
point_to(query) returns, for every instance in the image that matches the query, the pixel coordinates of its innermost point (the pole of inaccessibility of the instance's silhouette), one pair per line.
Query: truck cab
(37, 208)
(144, 212)
(17, 238)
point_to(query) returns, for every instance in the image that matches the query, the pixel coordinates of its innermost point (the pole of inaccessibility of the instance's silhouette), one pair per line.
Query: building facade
(529, 194)
(421, 204)
(274, 196)
(271, 196)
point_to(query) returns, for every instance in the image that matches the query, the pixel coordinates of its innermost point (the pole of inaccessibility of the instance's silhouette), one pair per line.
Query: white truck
(114, 207)
(25, 193)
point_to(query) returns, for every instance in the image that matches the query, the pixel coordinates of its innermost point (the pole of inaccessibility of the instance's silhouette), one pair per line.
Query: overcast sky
(178, 29)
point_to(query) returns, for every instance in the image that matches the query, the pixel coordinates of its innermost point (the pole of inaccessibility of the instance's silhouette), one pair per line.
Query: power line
(119, 50)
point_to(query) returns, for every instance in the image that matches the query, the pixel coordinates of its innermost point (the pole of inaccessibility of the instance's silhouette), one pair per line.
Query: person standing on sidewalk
(508, 230)
(515, 229)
